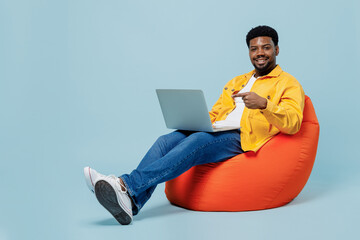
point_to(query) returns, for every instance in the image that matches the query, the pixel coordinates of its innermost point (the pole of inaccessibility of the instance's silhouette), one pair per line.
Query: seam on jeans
(187, 157)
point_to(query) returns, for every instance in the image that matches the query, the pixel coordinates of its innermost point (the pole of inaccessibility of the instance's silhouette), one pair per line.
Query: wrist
(264, 104)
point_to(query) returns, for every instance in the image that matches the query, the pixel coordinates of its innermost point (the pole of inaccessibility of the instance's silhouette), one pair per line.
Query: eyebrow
(267, 44)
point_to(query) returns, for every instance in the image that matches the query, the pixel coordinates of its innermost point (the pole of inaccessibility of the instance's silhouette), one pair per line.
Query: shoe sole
(106, 196)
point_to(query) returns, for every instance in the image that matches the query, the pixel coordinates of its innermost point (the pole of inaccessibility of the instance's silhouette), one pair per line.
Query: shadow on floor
(161, 210)
(106, 222)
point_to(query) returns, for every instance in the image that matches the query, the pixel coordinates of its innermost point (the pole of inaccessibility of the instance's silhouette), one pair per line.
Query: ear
(277, 50)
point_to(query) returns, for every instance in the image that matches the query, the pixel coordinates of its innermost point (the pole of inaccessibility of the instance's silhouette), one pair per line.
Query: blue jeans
(175, 153)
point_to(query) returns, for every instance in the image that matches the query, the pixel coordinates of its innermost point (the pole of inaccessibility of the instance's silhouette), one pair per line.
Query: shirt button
(232, 90)
(243, 85)
(227, 113)
(226, 88)
(261, 111)
(268, 97)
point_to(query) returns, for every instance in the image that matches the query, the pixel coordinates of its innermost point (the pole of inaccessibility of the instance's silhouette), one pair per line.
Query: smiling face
(263, 52)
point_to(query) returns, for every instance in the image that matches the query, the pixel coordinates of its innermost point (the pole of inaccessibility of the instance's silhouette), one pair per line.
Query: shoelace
(119, 184)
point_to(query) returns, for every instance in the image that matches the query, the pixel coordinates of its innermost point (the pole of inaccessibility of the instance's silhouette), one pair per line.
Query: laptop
(186, 110)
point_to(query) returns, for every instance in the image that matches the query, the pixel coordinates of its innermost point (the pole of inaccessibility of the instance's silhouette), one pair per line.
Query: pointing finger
(243, 94)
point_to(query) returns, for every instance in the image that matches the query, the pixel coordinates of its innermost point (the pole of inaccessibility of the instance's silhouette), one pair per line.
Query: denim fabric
(173, 154)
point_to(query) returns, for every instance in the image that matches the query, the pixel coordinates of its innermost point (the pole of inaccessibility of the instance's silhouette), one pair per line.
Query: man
(263, 103)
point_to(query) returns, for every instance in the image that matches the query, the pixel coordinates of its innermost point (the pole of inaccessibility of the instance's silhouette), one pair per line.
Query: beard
(265, 68)
(262, 68)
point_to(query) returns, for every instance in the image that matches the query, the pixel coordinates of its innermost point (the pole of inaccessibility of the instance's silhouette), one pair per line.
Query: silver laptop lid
(184, 109)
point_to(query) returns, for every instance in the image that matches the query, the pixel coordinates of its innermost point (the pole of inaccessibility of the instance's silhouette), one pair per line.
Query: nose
(260, 52)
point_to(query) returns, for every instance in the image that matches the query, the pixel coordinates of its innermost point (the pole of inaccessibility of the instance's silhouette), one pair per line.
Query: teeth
(260, 60)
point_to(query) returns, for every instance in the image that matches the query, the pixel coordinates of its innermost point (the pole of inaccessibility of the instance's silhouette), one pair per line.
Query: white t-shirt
(233, 119)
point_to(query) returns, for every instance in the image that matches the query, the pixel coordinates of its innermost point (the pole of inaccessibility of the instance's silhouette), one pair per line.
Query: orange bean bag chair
(269, 178)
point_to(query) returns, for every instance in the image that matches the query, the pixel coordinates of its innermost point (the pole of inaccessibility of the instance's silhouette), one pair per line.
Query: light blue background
(77, 88)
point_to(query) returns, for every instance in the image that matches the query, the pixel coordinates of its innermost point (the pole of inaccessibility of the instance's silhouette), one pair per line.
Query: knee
(200, 136)
(162, 139)
(168, 138)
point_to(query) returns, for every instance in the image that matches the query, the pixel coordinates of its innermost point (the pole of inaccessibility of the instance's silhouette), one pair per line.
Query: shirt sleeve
(215, 109)
(223, 99)
(287, 115)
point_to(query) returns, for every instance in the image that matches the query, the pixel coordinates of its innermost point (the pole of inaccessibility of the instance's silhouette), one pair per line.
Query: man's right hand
(252, 100)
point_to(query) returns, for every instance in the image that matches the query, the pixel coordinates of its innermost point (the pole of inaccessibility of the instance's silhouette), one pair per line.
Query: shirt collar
(274, 73)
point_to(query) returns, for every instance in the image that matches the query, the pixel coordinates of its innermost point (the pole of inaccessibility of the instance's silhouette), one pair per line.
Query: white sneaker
(91, 177)
(109, 193)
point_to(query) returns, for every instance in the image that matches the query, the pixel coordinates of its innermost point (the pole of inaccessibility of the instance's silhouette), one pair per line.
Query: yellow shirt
(284, 111)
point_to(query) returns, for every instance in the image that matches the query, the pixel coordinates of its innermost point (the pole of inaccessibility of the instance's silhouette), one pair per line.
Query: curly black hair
(262, 31)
